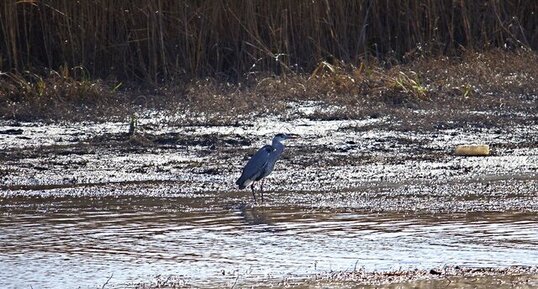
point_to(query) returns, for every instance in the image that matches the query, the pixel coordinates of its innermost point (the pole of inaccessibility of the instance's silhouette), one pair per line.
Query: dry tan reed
(158, 40)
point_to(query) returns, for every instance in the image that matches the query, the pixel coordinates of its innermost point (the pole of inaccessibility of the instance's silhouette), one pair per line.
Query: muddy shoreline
(374, 155)
(446, 277)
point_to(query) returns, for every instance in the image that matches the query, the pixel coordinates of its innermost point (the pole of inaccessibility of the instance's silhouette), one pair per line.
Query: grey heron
(261, 164)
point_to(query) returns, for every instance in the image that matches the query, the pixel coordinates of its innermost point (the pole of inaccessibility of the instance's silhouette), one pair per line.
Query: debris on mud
(384, 277)
(445, 277)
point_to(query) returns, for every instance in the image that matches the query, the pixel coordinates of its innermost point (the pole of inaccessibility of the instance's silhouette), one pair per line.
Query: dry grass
(55, 96)
(494, 79)
(495, 74)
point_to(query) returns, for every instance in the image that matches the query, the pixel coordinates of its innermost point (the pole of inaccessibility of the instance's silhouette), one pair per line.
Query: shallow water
(217, 239)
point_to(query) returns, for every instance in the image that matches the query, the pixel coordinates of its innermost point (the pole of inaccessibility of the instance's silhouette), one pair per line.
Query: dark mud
(445, 277)
(352, 200)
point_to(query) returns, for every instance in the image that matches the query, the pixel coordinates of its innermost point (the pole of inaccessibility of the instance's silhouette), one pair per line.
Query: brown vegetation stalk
(151, 41)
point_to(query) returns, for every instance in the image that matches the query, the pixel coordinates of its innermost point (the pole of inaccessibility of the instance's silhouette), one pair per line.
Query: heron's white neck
(279, 147)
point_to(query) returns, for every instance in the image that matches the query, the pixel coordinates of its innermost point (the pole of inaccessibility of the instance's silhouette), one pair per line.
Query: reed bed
(158, 41)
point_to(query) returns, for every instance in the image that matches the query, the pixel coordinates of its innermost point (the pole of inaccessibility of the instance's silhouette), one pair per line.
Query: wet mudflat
(83, 205)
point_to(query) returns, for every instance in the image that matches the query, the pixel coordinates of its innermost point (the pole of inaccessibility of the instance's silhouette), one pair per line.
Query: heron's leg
(253, 194)
(261, 189)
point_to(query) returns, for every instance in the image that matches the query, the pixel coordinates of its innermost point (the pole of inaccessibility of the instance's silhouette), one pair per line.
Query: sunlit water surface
(85, 242)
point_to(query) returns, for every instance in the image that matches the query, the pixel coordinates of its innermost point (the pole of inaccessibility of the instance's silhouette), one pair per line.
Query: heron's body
(262, 163)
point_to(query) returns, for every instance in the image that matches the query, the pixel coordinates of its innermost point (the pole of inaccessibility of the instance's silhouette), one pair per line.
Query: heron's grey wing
(255, 165)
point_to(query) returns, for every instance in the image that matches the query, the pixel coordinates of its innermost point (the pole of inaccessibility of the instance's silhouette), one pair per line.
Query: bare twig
(235, 282)
(107, 280)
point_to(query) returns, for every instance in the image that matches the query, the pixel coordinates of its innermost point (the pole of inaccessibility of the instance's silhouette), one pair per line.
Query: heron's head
(282, 137)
